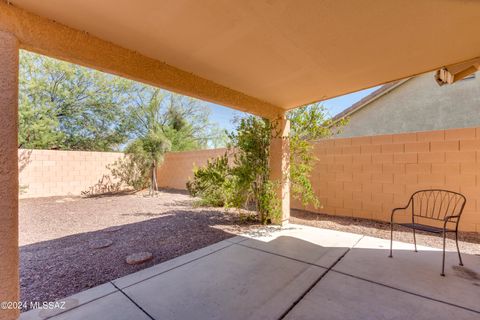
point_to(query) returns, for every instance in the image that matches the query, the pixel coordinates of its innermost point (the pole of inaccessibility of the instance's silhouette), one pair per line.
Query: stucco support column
(9, 274)
(280, 163)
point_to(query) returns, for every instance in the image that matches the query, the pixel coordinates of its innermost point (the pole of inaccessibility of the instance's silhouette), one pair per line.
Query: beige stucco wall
(419, 104)
(368, 176)
(9, 254)
(177, 167)
(46, 173)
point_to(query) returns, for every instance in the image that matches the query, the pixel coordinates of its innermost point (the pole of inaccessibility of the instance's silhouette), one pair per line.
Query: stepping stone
(140, 257)
(100, 243)
(113, 229)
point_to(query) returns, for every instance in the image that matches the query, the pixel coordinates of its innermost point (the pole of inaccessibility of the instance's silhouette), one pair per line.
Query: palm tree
(164, 121)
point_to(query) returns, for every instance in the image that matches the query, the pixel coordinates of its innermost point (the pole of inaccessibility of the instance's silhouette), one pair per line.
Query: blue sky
(224, 116)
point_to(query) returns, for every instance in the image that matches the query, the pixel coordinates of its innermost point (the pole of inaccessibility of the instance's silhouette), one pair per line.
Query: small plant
(269, 205)
(129, 172)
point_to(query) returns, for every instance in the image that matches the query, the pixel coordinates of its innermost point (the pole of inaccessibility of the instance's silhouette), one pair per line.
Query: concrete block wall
(45, 173)
(177, 167)
(368, 176)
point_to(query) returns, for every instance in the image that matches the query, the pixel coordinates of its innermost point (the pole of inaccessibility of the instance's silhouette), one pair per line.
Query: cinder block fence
(45, 173)
(367, 176)
(359, 177)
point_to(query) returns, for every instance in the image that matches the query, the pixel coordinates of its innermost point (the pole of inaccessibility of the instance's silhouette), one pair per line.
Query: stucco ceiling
(285, 52)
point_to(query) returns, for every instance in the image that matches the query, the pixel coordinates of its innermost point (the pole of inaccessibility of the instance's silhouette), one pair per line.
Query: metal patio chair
(433, 205)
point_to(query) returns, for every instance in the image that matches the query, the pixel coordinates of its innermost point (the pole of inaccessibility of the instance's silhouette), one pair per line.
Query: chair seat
(424, 227)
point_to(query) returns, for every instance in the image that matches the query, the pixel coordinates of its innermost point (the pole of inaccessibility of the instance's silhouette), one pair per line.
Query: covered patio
(295, 272)
(264, 58)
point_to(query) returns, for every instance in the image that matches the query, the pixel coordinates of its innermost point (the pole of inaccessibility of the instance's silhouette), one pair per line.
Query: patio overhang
(260, 57)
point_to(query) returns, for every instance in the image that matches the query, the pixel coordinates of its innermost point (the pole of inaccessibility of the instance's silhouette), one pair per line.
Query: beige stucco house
(415, 104)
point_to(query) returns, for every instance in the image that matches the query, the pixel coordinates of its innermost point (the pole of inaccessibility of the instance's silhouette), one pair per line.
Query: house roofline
(368, 99)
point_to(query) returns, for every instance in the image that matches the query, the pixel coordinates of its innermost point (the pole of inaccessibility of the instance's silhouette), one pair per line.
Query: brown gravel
(469, 241)
(57, 233)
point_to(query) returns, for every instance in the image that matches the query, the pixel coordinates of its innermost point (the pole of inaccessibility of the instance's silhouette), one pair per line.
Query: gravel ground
(469, 242)
(57, 235)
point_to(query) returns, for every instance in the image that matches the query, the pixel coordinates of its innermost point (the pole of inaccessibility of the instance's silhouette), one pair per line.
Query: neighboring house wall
(368, 176)
(177, 167)
(419, 104)
(45, 173)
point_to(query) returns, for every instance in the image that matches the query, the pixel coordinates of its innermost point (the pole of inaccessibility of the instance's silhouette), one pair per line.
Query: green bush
(210, 183)
(243, 182)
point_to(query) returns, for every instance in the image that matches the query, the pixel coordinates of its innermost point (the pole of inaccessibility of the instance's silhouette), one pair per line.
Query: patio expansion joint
(318, 280)
(406, 291)
(398, 289)
(295, 259)
(133, 301)
(281, 255)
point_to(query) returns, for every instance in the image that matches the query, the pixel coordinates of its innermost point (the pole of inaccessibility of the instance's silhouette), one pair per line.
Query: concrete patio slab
(343, 297)
(321, 247)
(416, 272)
(236, 239)
(71, 302)
(115, 306)
(295, 273)
(234, 283)
(168, 265)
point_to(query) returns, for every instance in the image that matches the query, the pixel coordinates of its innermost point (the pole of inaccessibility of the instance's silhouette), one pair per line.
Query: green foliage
(245, 182)
(65, 106)
(269, 205)
(308, 123)
(163, 122)
(184, 121)
(212, 182)
(251, 141)
(142, 157)
(129, 172)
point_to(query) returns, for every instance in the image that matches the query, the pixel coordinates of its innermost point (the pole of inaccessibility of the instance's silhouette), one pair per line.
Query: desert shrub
(244, 181)
(130, 172)
(210, 182)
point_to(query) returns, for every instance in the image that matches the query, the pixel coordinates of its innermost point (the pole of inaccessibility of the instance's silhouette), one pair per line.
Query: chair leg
(443, 258)
(414, 240)
(391, 239)
(458, 249)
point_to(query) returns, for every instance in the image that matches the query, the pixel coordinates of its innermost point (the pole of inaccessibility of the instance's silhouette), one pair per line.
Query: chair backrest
(437, 204)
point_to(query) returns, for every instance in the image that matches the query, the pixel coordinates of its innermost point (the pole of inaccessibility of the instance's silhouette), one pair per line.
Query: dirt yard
(60, 236)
